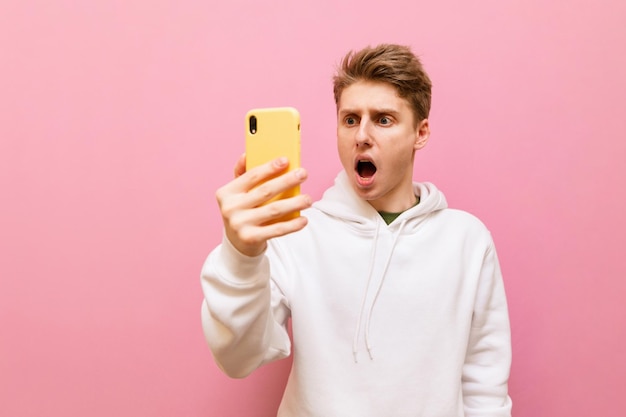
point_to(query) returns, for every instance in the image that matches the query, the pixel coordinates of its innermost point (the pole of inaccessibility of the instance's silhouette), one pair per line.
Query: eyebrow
(382, 110)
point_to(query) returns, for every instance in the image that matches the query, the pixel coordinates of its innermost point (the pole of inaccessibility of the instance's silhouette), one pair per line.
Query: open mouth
(365, 168)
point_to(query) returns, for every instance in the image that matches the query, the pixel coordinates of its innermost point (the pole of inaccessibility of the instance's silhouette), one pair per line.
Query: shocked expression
(377, 138)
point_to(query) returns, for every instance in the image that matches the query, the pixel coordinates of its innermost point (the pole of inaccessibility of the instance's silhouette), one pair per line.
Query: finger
(249, 229)
(267, 190)
(248, 220)
(253, 177)
(253, 234)
(240, 166)
(237, 195)
(281, 210)
(284, 227)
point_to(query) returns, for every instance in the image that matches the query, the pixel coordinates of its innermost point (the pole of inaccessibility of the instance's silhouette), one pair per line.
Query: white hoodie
(406, 319)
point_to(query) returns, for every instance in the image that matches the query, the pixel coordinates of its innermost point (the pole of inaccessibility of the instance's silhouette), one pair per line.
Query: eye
(350, 121)
(384, 120)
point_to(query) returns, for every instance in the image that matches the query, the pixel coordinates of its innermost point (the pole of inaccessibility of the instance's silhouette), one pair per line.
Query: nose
(363, 136)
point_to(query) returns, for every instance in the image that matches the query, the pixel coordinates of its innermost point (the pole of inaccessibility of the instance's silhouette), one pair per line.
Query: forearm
(242, 318)
(486, 374)
(488, 359)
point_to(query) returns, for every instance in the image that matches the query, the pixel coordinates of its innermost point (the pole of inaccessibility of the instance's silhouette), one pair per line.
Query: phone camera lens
(253, 124)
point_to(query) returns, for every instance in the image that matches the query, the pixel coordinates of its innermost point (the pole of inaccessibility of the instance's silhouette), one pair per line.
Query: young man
(397, 302)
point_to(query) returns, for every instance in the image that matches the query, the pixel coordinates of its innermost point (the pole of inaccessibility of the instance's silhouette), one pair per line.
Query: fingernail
(299, 173)
(282, 161)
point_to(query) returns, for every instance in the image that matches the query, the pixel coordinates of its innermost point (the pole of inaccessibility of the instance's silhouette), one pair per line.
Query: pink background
(118, 120)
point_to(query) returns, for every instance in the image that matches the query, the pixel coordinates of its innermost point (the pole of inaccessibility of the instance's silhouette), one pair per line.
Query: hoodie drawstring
(380, 285)
(357, 332)
(377, 293)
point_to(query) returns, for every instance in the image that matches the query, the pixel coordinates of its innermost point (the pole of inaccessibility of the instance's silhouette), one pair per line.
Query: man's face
(377, 137)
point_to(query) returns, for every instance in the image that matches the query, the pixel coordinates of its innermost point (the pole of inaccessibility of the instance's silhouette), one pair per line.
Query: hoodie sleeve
(244, 314)
(488, 359)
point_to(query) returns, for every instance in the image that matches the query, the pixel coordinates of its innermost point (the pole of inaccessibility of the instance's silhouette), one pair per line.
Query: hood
(343, 202)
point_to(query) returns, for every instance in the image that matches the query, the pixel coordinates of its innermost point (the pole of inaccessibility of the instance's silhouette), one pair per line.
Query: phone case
(272, 133)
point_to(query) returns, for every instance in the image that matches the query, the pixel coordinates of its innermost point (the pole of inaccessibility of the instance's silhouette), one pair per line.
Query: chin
(367, 193)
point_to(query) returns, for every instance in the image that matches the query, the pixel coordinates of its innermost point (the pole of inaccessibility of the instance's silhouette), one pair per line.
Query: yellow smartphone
(271, 133)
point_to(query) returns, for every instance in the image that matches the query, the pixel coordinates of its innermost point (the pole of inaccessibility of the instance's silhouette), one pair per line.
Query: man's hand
(241, 203)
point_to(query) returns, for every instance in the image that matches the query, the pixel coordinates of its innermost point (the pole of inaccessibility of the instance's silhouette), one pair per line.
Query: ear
(422, 133)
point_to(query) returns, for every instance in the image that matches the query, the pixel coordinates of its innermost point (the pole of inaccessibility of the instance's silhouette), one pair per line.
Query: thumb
(240, 166)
